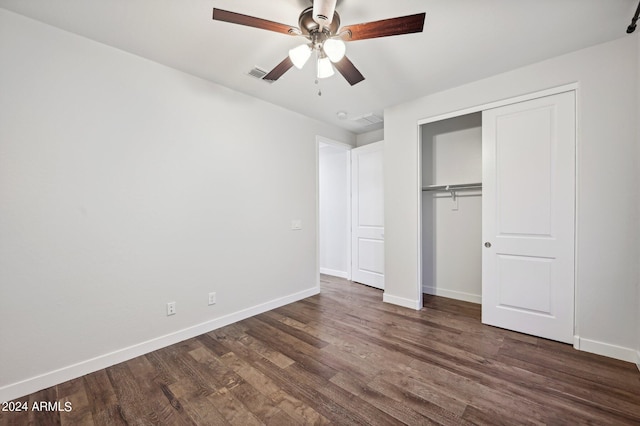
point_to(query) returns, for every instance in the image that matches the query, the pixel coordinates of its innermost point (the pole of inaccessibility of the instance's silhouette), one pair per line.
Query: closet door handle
(487, 244)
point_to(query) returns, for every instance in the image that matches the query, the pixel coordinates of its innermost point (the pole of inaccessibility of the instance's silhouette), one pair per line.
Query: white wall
(607, 203)
(369, 137)
(125, 185)
(452, 230)
(334, 212)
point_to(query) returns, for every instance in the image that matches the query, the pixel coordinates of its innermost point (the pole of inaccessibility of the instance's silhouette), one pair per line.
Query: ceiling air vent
(259, 73)
(368, 119)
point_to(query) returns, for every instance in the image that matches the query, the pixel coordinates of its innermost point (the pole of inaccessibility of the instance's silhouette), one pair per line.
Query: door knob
(487, 244)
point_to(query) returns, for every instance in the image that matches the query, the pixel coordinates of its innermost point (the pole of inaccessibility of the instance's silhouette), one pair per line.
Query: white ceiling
(463, 41)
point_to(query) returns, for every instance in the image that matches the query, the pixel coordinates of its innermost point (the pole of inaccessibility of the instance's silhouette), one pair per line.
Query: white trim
(452, 294)
(327, 141)
(420, 291)
(502, 102)
(401, 301)
(317, 211)
(43, 381)
(349, 218)
(605, 349)
(638, 359)
(576, 216)
(576, 342)
(334, 273)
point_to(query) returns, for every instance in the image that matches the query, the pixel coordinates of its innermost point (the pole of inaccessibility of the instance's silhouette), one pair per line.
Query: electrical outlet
(171, 308)
(212, 298)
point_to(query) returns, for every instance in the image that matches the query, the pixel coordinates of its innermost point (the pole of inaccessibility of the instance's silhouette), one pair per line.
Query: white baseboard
(606, 349)
(334, 273)
(452, 294)
(401, 301)
(52, 378)
(638, 359)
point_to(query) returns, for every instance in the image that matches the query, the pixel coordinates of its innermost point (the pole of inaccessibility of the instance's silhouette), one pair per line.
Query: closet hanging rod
(452, 187)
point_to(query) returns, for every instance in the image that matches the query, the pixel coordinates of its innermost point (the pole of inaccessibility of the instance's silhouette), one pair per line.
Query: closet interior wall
(452, 226)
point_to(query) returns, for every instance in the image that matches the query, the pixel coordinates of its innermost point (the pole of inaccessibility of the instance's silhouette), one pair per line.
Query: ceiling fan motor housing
(308, 25)
(323, 11)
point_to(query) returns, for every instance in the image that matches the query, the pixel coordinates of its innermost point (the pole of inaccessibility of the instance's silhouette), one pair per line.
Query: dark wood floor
(344, 357)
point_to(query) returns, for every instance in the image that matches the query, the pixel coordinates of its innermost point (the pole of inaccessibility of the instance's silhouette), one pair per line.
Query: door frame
(347, 148)
(575, 87)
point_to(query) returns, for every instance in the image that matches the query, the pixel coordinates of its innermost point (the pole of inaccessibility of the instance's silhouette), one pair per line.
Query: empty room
(319, 212)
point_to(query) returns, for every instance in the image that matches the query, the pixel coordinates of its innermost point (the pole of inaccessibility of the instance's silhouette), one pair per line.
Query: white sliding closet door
(367, 209)
(528, 217)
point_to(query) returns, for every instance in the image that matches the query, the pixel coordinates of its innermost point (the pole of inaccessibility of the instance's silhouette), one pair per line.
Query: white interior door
(367, 209)
(528, 217)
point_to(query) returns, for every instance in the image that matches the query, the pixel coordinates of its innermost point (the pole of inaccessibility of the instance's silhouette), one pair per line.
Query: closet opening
(498, 211)
(451, 240)
(334, 208)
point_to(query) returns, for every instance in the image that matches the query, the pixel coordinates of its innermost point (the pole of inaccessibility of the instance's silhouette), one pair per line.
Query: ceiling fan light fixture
(334, 49)
(300, 55)
(325, 69)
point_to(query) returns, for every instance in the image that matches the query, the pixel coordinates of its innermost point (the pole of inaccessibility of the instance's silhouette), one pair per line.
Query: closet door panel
(529, 217)
(524, 187)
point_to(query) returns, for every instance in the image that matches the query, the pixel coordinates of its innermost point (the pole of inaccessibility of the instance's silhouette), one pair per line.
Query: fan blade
(349, 71)
(250, 21)
(280, 69)
(386, 27)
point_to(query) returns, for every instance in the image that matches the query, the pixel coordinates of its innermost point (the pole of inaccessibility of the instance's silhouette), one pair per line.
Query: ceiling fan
(320, 25)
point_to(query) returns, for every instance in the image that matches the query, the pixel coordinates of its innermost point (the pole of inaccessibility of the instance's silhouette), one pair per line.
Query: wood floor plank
(162, 406)
(234, 411)
(190, 380)
(238, 332)
(265, 409)
(213, 369)
(131, 400)
(345, 357)
(396, 409)
(250, 374)
(243, 366)
(46, 415)
(290, 346)
(311, 340)
(359, 411)
(435, 408)
(203, 412)
(72, 395)
(298, 410)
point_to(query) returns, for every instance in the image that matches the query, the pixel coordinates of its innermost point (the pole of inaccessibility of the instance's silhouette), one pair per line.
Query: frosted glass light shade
(300, 55)
(334, 49)
(325, 69)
